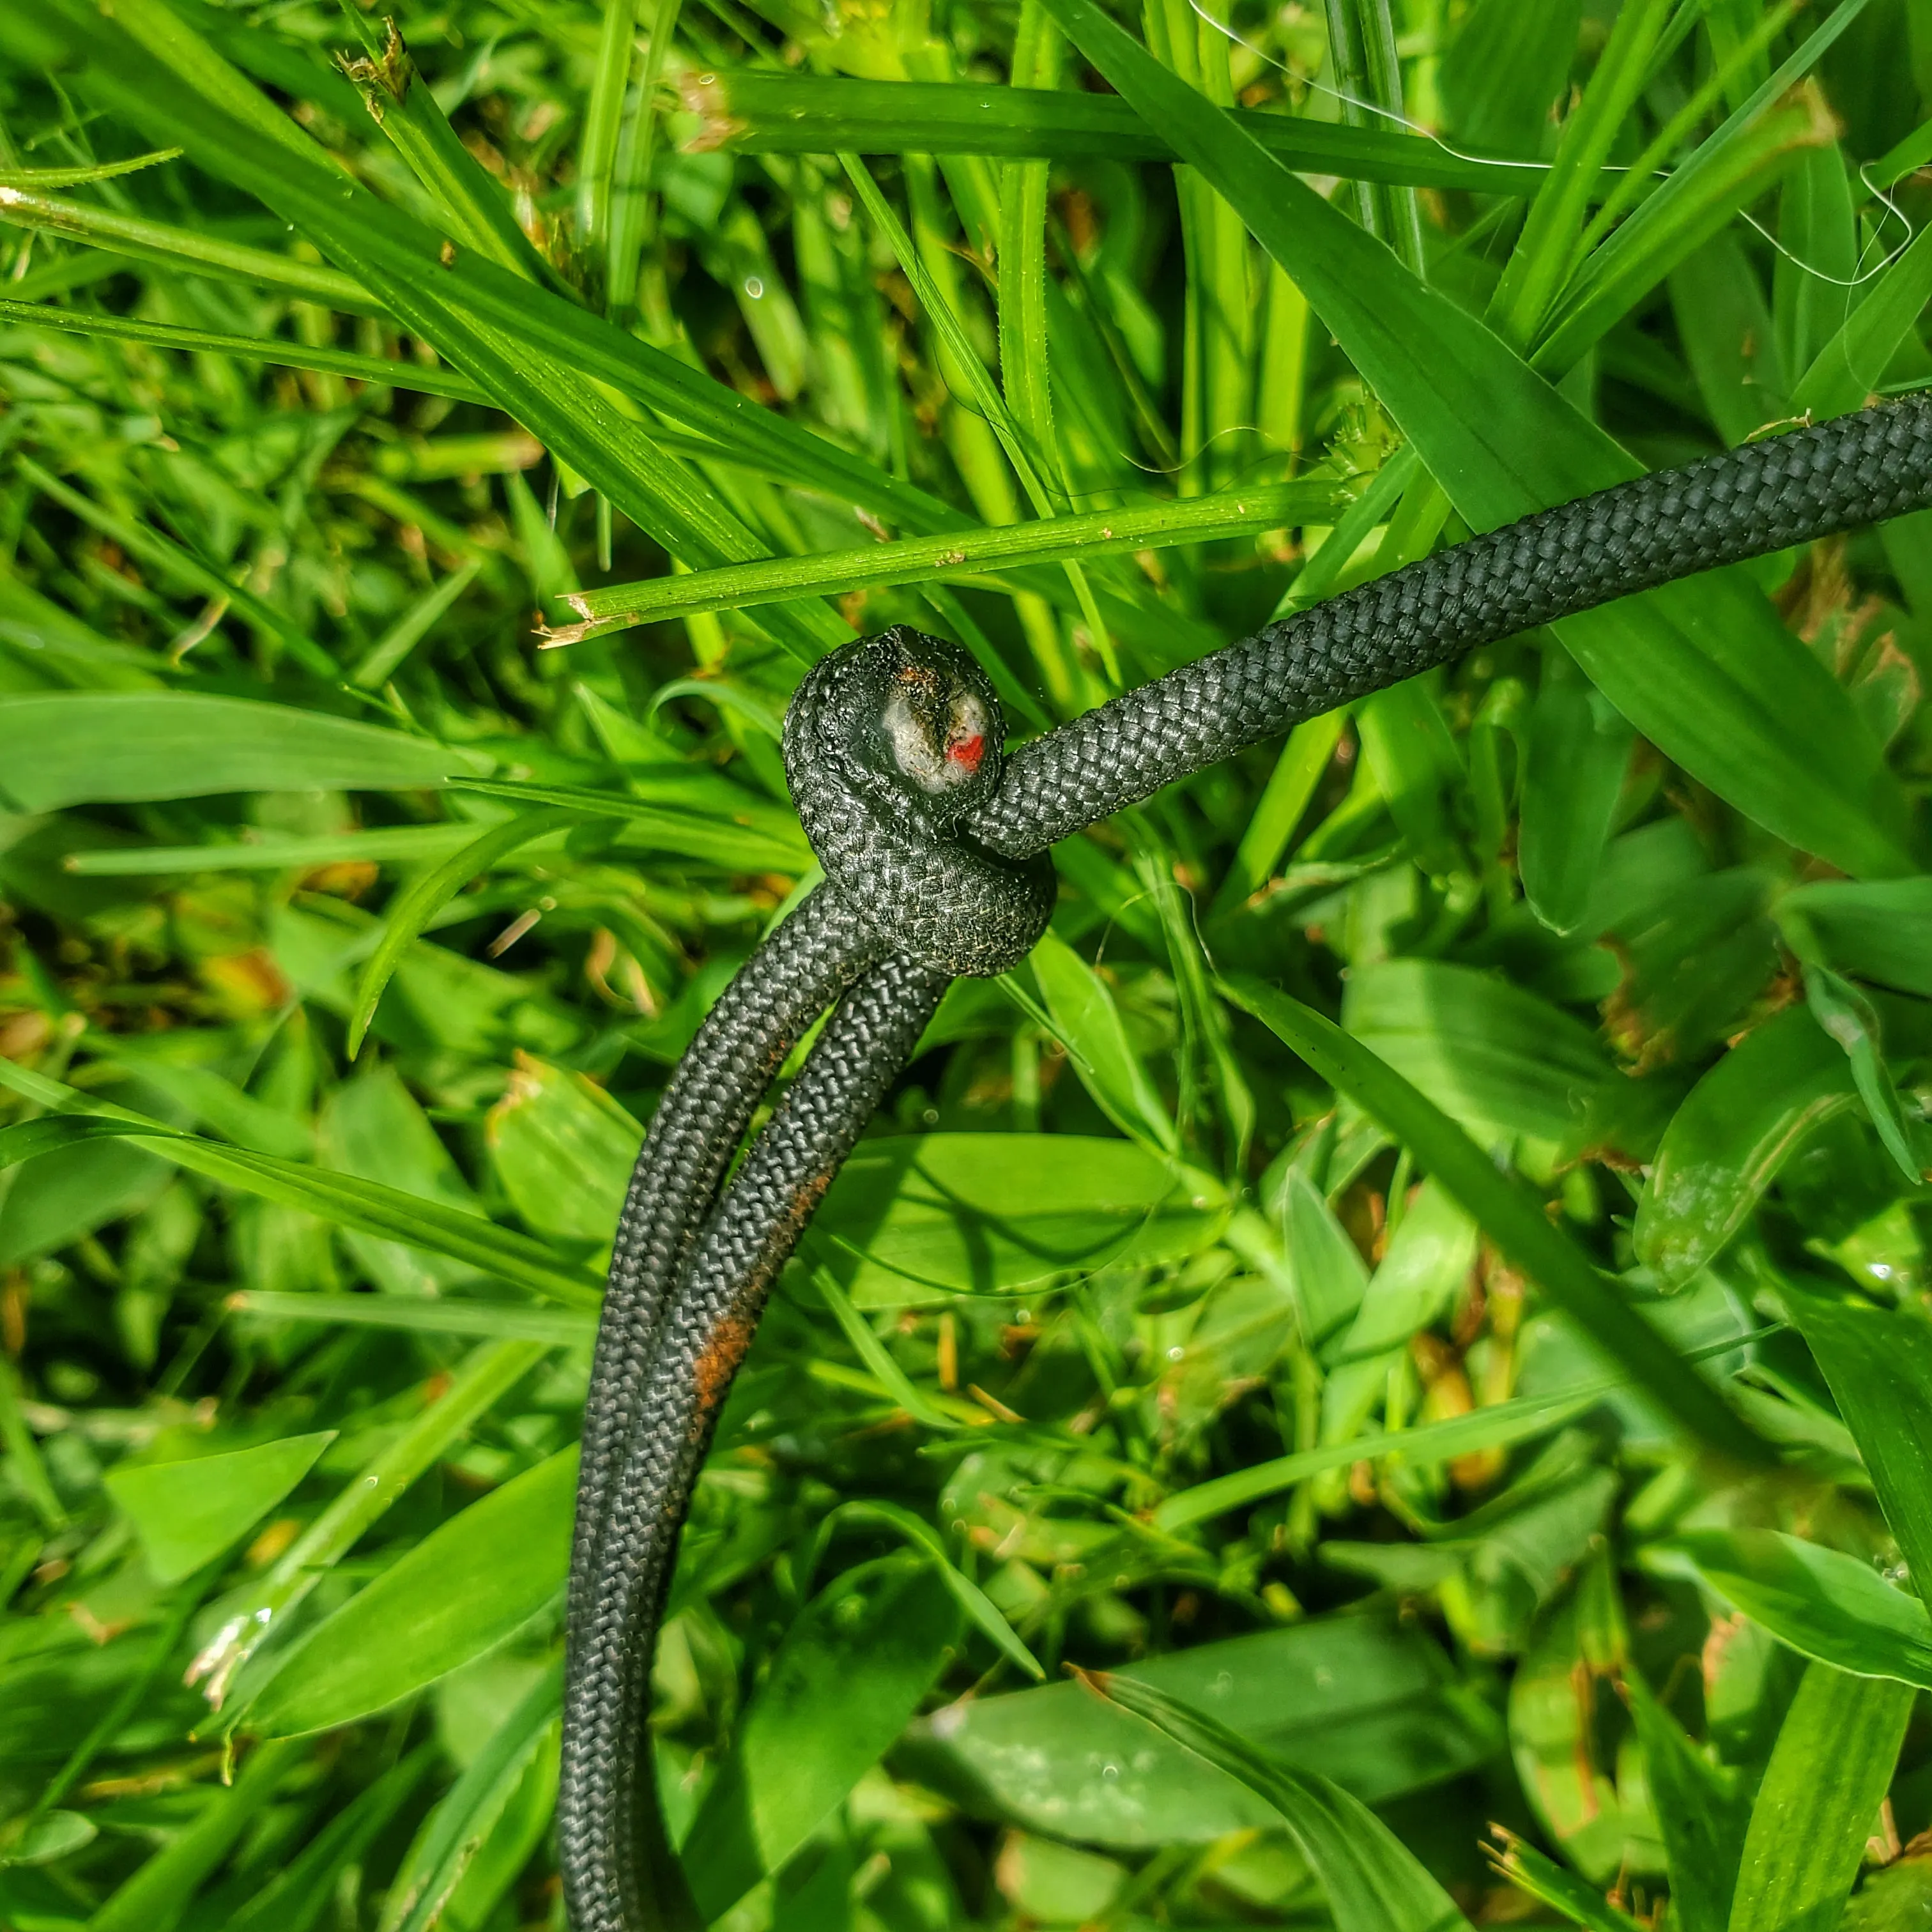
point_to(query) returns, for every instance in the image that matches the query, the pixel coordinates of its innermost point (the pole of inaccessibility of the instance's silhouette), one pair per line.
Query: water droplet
(754, 288)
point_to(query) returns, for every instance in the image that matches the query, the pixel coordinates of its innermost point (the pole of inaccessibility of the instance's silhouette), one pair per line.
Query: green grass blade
(1511, 1217)
(366, 1205)
(387, 369)
(755, 112)
(958, 555)
(34, 179)
(1878, 1365)
(173, 560)
(1834, 1608)
(401, 104)
(145, 241)
(409, 916)
(450, 1838)
(1815, 1810)
(478, 1383)
(1372, 1884)
(1696, 197)
(497, 1320)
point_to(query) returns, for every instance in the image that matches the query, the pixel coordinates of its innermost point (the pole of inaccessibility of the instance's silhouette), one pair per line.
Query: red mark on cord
(968, 752)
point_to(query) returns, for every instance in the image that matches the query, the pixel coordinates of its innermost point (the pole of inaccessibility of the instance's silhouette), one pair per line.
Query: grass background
(1490, 1437)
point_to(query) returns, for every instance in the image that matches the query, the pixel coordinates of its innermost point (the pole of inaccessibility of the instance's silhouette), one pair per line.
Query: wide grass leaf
(84, 748)
(463, 1588)
(845, 1683)
(1373, 1884)
(1819, 1801)
(1498, 1059)
(1702, 668)
(1508, 1215)
(1824, 1604)
(187, 1513)
(1579, 751)
(1352, 1697)
(449, 1838)
(1880, 929)
(1726, 1145)
(1879, 1367)
(915, 1219)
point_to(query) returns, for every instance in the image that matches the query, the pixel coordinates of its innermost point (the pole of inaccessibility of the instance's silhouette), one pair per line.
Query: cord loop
(891, 743)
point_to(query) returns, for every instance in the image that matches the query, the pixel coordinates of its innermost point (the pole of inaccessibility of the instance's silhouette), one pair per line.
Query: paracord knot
(890, 744)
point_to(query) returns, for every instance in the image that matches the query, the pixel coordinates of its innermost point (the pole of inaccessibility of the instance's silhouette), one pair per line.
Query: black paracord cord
(930, 850)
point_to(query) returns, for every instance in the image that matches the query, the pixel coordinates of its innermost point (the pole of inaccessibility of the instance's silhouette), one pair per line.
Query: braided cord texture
(1790, 489)
(617, 1875)
(806, 963)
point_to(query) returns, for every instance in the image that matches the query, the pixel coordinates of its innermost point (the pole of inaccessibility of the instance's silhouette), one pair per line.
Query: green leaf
(1819, 1801)
(1511, 1217)
(156, 1895)
(759, 111)
(465, 1816)
(912, 1220)
(464, 1588)
(1422, 1447)
(563, 1150)
(1426, 1266)
(1826, 1605)
(81, 747)
(1702, 668)
(1499, 1060)
(367, 1206)
(402, 375)
(1700, 1813)
(298, 1895)
(187, 1513)
(1852, 363)
(1352, 1697)
(979, 1608)
(960, 555)
(477, 1383)
(424, 1315)
(1579, 751)
(1085, 1018)
(1529, 1871)
(849, 1675)
(1879, 1367)
(1725, 1145)
(426, 896)
(1372, 1883)
(1882, 930)
(1851, 1019)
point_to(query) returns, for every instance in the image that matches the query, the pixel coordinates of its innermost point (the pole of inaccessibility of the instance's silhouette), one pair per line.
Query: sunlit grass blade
(426, 380)
(1372, 1883)
(760, 113)
(1695, 197)
(142, 240)
(484, 1377)
(959, 556)
(1510, 1216)
(1828, 1773)
(499, 1320)
(29, 180)
(366, 1205)
(411, 911)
